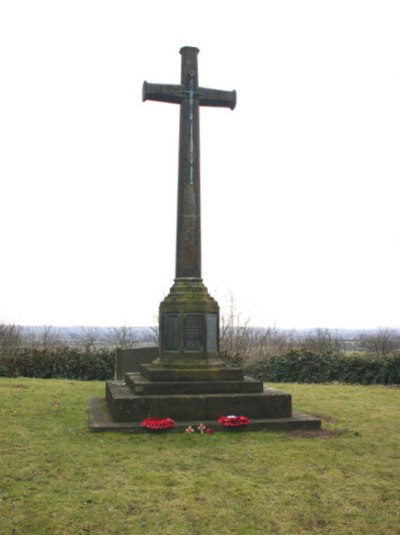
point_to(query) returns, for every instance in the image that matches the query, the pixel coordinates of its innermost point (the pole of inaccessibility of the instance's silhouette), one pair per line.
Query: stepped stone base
(190, 394)
(100, 420)
(126, 406)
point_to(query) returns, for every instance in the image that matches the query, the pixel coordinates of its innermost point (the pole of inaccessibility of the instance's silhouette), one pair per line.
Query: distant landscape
(269, 354)
(235, 338)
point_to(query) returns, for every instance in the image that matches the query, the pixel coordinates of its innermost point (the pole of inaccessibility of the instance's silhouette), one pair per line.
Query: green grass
(57, 478)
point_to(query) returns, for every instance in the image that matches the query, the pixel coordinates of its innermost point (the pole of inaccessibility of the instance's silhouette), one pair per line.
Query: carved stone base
(189, 325)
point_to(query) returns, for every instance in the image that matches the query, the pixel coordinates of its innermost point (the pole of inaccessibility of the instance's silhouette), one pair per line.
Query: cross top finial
(192, 48)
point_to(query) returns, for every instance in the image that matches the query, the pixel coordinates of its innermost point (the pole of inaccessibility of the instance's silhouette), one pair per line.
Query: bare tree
(155, 334)
(11, 337)
(45, 338)
(245, 344)
(273, 342)
(322, 341)
(124, 337)
(87, 338)
(242, 344)
(383, 342)
(237, 340)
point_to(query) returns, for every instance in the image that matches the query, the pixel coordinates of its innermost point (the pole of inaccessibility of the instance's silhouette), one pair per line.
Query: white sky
(300, 182)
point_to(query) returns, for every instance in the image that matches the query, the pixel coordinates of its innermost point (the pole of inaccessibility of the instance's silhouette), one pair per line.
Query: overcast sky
(300, 183)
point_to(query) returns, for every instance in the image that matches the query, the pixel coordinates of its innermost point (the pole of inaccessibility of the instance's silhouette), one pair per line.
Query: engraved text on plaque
(171, 332)
(212, 332)
(194, 332)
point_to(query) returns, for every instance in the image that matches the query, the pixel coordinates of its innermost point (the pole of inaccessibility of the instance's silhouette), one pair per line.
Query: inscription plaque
(194, 332)
(171, 332)
(212, 332)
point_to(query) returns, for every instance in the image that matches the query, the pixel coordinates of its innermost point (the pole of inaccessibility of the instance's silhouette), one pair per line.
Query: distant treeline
(268, 354)
(49, 338)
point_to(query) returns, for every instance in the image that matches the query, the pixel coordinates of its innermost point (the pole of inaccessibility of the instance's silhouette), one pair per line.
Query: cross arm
(163, 92)
(216, 97)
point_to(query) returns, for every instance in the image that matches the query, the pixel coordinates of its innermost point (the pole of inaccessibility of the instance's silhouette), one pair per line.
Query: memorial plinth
(189, 382)
(189, 325)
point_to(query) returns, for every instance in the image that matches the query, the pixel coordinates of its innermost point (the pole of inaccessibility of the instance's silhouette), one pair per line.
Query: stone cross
(190, 96)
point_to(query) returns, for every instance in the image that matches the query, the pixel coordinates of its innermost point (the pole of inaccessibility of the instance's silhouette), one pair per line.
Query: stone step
(126, 406)
(217, 373)
(142, 386)
(100, 421)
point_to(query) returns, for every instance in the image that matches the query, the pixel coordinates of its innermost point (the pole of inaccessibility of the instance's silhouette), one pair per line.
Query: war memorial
(188, 381)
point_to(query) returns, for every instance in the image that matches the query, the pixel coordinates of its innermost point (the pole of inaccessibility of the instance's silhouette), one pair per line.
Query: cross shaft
(190, 96)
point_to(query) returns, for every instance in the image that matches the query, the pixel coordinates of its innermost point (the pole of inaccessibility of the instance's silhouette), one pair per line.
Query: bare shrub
(322, 341)
(242, 344)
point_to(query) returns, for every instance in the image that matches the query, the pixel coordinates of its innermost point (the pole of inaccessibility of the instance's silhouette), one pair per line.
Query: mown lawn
(57, 478)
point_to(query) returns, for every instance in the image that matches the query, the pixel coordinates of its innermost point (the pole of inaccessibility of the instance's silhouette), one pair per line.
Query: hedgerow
(297, 365)
(304, 366)
(64, 363)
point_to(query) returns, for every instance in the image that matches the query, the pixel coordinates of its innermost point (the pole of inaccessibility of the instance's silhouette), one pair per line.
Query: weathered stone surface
(144, 387)
(189, 316)
(100, 420)
(189, 324)
(126, 406)
(130, 360)
(190, 97)
(152, 372)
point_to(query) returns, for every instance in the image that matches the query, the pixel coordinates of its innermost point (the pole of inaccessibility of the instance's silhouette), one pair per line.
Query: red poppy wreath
(233, 421)
(157, 424)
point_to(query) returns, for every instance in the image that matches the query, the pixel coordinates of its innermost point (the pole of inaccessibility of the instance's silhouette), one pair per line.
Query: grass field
(57, 478)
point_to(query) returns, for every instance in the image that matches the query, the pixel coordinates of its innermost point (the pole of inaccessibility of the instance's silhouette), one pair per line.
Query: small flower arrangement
(201, 428)
(157, 424)
(233, 421)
